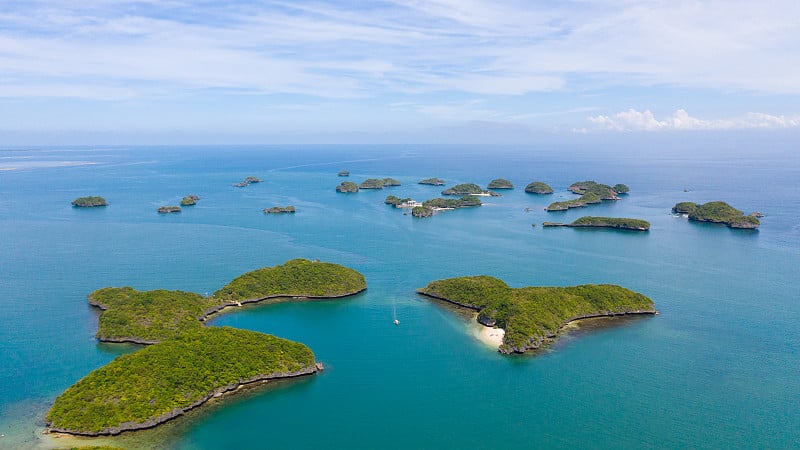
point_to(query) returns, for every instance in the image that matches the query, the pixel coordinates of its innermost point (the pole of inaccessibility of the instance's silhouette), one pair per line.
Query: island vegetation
(347, 187)
(344, 173)
(500, 183)
(168, 209)
(468, 189)
(89, 202)
(371, 183)
(432, 181)
(280, 210)
(591, 192)
(620, 188)
(387, 182)
(604, 222)
(533, 316)
(160, 382)
(397, 202)
(248, 181)
(717, 212)
(538, 187)
(189, 200)
(433, 205)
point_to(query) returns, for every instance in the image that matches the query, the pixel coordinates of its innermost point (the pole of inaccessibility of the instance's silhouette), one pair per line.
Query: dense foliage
(347, 187)
(295, 278)
(530, 315)
(464, 189)
(585, 199)
(604, 191)
(173, 375)
(395, 200)
(390, 182)
(463, 202)
(500, 183)
(150, 316)
(371, 183)
(432, 181)
(611, 222)
(88, 202)
(538, 187)
(422, 211)
(620, 188)
(717, 212)
(189, 200)
(279, 209)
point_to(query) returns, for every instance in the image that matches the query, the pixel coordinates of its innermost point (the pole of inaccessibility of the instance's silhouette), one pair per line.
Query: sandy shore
(493, 337)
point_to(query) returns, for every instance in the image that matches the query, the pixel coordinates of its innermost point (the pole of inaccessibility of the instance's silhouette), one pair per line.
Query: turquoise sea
(718, 368)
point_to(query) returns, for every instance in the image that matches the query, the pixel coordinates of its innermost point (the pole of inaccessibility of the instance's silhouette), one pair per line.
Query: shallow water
(716, 369)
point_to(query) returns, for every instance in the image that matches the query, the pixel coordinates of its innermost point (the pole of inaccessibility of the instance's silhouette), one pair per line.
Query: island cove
(531, 317)
(197, 362)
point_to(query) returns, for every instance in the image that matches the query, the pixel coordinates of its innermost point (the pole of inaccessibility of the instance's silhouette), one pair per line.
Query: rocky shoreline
(212, 311)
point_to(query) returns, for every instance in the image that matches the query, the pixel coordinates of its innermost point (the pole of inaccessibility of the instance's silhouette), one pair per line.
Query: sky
(174, 71)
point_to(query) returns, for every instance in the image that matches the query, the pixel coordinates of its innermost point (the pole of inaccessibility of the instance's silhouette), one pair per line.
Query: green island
(390, 182)
(432, 181)
(344, 173)
(197, 362)
(168, 209)
(591, 192)
(500, 183)
(377, 183)
(89, 202)
(538, 187)
(160, 382)
(279, 210)
(248, 181)
(622, 223)
(347, 187)
(468, 189)
(532, 316)
(433, 205)
(189, 200)
(398, 202)
(717, 212)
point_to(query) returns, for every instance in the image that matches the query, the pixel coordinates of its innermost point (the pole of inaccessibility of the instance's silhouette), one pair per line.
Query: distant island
(248, 181)
(717, 212)
(168, 209)
(429, 207)
(347, 187)
(189, 200)
(279, 210)
(538, 187)
(398, 202)
(432, 181)
(376, 183)
(344, 173)
(604, 222)
(188, 363)
(468, 189)
(533, 316)
(500, 183)
(591, 192)
(89, 202)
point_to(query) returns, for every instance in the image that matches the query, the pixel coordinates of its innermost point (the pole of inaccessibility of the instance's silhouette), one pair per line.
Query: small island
(248, 181)
(398, 202)
(468, 189)
(531, 317)
(89, 202)
(168, 209)
(621, 223)
(344, 173)
(347, 187)
(591, 192)
(280, 210)
(429, 207)
(189, 200)
(432, 181)
(717, 212)
(500, 183)
(538, 187)
(371, 183)
(186, 363)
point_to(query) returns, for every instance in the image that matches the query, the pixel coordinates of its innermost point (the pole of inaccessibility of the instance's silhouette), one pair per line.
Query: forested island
(347, 187)
(188, 363)
(429, 207)
(622, 223)
(168, 209)
(533, 316)
(398, 202)
(89, 202)
(432, 181)
(591, 192)
(468, 189)
(280, 210)
(500, 183)
(717, 212)
(377, 183)
(189, 200)
(538, 187)
(248, 181)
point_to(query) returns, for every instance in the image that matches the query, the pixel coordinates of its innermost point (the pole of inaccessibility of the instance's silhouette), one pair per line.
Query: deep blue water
(718, 368)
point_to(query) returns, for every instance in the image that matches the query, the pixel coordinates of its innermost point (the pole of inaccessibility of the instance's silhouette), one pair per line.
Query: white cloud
(633, 120)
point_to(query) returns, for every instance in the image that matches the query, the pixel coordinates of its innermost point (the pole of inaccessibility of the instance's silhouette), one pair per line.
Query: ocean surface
(718, 368)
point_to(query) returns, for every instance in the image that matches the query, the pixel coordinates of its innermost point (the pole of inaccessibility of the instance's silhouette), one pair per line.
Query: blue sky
(114, 71)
